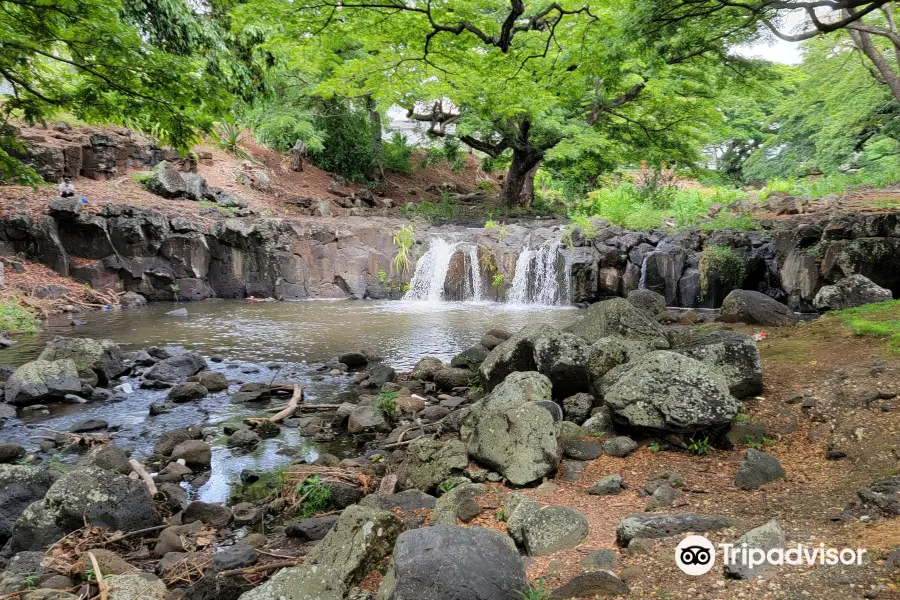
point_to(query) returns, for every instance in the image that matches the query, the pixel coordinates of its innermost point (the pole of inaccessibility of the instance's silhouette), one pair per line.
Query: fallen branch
(289, 410)
(260, 568)
(104, 590)
(121, 536)
(148, 480)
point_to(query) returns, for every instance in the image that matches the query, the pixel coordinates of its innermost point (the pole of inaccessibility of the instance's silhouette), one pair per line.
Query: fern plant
(229, 138)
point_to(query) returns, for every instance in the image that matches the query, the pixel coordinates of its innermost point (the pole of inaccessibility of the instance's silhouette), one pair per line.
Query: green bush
(395, 154)
(280, 131)
(314, 496)
(723, 264)
(347, 147)
(387, 403)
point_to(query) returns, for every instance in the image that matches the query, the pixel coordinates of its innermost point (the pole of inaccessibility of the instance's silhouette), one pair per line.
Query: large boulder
(39, 380)
(368, 419)
(648, 301)
(514, 355)
(452, 377)
(856, 290)
(563, 358)
(618, 317)
(755, 308)
(766, 537)
(733, 355)
(665, 391)
(104, 357)
(92, 495)
(426, 368)
(660, 526)
(510, 433)
(448, 562)
(20, 485)
(552, 529)
(359, 541)
(429, 462)
(166, 181)
(176, 369)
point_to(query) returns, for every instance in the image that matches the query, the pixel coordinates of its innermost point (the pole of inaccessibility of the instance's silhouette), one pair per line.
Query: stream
(261, 341)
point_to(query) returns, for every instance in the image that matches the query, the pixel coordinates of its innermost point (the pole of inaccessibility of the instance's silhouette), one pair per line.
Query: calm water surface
(297, 335)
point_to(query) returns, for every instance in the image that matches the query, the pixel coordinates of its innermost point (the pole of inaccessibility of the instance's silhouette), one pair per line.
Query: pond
(261, 341)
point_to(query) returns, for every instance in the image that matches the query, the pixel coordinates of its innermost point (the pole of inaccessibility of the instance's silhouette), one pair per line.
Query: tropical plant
(229, 137)
(699, 446)
(386, 402)
(404, 239)
(314, 496)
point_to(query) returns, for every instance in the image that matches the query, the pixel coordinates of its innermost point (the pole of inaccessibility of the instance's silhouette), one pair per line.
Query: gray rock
(243, 438)
(104, 357)
(195, 187)
(731, 354)
(663, 497)
(514, 355)
(765, 537)
(670, 392)
(448, 562)
(757, 469)
(660, 526)
(93, 496)
(354, 360)
(176, 368)
(234, 557)
(187, 391)
(882, 494)
(510, 434)
(178, 312)
(136, 587)
(214, 515)
(167, 181)
(470, 358)
(604, 560)
(617, 317)
(40, 380)
(381, 374)
(600, 423)
(88, 425)
(451, 377)
(132, 300)
(313, 529)
(620, 446)
(563, 358)
(429, 462)
(608, 486)
(365, 419)
(648, 301)
(407, 500)
(552, 529)
(169, 439)
(577, 408)
(194, 452)
(457, 502)
(426, 368)
(10, 453)
(856, 290)
(754, 308)
(213, 381)
(582, 450)
(360, 540)
(20, 485)
(591, 585)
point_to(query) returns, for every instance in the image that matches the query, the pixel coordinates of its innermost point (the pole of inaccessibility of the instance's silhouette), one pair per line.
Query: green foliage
(881, 319)
(347, 145)
(142, 177)
(404, 239)
(536, 591)
(497, 280)
(382, 276)
(314, 496)
(15, 318)
(699, 446)
(655, 447)
(446, 486)
(878, 174)
(434, 212)
(387, 403)
(724, 265)
(395, 154)
(229, 137)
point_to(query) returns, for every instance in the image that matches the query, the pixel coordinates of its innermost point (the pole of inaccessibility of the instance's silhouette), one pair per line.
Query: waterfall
(541, 277)
(642, 283)
(477, 290)
(428, 281)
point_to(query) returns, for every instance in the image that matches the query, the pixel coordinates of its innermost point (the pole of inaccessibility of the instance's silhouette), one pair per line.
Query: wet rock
(449, 378)
(173, 473)
(169, 439)
(234, 557)
(582, 450)
(648, 301)
(617, 317)
(354, 360)
(132, 300)
(93, 496)
(577, 408)
(193, 452)
(733, 355)
(608, 486)
(552, 529)
(381, 374)
(41, 380)
(20, 485)
(620, 446)
(104, 357)
(214, 515)
(178, 312)
(313, 529)
(470, 358)
(754, 308)
(563, 358)
(213, 381)
(244, 439)
(757, 469)
(360, 540)
(509, 433)
(429, 462)
(426, 368)
(88, 425)
(176, 368)
(670, 392)
(187, 391)
(856, 290)
(10, 453)
(765, 537)
(660, 526)
(590, 585)
(448, 562)
(514, 355)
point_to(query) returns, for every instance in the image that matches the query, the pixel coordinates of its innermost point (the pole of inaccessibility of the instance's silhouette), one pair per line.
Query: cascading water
(431, 271)
(541, 278)
(477, 290)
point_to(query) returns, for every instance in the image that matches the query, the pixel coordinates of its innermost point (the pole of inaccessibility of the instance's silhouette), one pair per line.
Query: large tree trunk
(518, 189)
(863, 41)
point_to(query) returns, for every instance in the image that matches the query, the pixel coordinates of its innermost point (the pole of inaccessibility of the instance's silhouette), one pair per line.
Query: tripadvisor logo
(696, 555)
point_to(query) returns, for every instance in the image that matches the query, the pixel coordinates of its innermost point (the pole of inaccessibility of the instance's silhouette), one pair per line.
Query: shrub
(314, 496)
(229, 138)
(280, 131)
(722, 263)
(395, 154)
(387, 403)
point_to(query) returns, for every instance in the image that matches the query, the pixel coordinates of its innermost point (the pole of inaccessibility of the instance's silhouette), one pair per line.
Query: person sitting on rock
(66, 188)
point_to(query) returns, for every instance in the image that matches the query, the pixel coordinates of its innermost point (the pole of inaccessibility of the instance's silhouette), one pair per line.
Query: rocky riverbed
(569, 457)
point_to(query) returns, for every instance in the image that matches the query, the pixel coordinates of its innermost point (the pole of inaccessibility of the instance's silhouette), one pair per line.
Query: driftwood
(260, 568)
(290, 409)
(148, 480)
(101, 584)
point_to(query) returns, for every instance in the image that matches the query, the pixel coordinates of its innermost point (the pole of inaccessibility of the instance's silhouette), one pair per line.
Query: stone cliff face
(132, 249)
